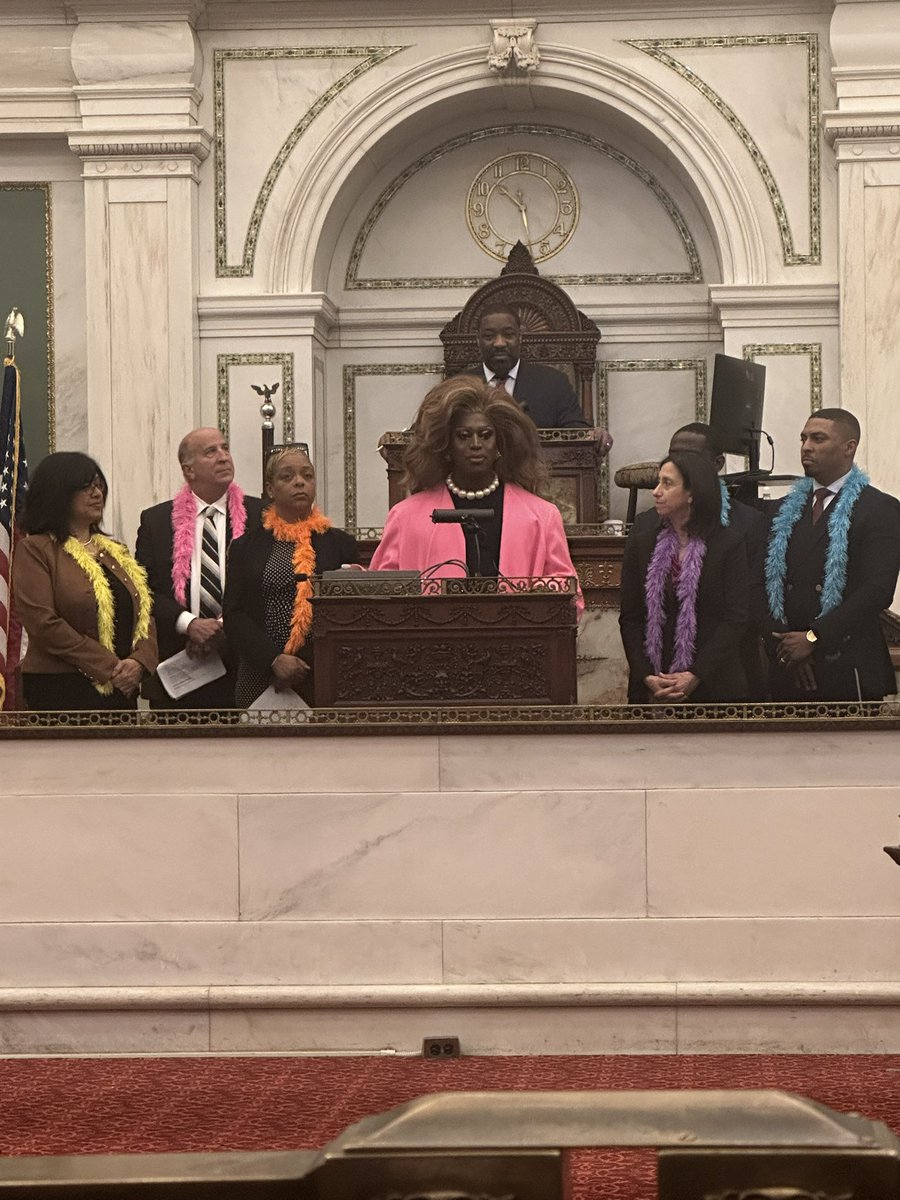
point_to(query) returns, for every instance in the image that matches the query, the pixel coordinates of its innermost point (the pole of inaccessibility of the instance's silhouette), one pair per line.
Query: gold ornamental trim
(223, 386)
(754, 351)
(370, 56)
(658, 48)
(634, 365)
(693, 274)
(352, 372)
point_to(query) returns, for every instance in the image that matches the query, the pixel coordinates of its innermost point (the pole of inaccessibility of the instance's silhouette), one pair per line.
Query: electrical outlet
(440, 1047)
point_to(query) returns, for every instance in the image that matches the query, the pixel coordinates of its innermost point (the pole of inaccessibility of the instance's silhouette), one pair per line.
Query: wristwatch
(810, 636)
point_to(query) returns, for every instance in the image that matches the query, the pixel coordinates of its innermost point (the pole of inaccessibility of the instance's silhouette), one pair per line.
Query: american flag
(13, 482)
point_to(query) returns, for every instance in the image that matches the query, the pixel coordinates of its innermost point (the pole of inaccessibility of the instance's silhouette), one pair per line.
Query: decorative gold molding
(352, 372)
(756, 350)
(223, 395)
(46, 188)
(604, 366)
(657, 47)
(693, 275)
(371, 56)
(826, 717)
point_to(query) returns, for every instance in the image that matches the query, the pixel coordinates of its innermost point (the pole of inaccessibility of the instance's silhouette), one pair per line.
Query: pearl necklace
(464, 495)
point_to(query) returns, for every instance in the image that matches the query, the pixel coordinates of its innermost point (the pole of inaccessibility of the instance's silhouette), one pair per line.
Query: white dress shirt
(833, 489)
(509, 383)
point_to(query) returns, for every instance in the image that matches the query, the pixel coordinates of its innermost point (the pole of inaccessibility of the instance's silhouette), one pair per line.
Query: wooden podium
(449, 641)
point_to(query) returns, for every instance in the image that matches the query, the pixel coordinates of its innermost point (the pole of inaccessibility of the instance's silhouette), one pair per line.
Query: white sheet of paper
(274, 699)
(182, 674)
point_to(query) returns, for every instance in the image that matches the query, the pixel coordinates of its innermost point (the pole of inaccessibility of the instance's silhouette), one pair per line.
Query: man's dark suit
(750, 524)
(850, 640)
(545, 395)
(722, 607)
(154, 551)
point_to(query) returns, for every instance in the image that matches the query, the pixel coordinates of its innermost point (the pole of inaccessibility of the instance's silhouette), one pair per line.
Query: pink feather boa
(184, 520)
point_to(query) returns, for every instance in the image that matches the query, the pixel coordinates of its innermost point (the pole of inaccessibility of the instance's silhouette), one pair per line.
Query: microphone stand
(471, 525)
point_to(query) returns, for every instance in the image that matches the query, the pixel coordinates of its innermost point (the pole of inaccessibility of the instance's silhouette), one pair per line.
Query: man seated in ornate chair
(543, 393)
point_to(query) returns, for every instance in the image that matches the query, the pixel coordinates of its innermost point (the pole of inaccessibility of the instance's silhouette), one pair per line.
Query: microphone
(460, 516)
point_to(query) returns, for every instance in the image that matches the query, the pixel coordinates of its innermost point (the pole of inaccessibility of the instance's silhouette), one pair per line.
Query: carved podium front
(451, 641)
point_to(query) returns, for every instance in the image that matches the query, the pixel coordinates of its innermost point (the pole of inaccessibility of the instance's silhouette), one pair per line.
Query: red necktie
(819, 502)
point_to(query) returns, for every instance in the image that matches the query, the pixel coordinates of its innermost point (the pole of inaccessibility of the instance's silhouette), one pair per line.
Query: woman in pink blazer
(473, 447)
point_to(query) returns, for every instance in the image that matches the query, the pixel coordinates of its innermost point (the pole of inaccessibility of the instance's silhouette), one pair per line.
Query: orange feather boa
(304, 560)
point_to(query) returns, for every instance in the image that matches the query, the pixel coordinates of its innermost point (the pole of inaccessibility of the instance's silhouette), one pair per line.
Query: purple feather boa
(665, 553)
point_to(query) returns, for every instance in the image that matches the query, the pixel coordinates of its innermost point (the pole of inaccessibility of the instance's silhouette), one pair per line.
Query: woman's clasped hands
(677, 685)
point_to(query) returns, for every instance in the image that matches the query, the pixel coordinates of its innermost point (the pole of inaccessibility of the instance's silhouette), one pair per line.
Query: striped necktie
(210, 573)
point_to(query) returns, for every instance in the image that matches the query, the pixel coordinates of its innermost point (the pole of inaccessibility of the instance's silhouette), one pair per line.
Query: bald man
(183, 544)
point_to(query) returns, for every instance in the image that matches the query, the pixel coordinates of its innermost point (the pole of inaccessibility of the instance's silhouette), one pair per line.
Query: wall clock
(522, 197)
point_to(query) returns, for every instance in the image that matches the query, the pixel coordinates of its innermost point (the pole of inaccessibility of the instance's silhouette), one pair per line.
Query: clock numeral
(567, 208)
(478, 209)
(544, 167)
(484, 232)
(562, 185)
(544, 247)
(500, 247)
(560, 229)
(523, 162)
(484, 188)
(498, 170)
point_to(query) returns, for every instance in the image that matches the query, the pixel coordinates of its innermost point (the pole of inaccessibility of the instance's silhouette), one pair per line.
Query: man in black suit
(183, 544)
(697, 438)
(544, 394)
(841, 654)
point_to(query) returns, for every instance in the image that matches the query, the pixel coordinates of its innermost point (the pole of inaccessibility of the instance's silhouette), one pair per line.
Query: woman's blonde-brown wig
(427, 457)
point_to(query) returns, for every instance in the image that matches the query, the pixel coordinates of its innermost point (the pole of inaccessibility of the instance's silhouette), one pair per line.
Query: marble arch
(302, 244)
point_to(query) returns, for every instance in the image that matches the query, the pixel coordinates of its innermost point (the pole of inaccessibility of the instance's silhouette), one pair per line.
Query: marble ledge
(435, 996)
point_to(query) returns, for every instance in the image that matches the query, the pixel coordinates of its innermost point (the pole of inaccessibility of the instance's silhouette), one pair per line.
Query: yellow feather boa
(103, 592)
(304, 560)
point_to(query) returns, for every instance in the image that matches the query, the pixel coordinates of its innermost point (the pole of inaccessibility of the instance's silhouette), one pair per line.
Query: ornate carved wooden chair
(554, 332)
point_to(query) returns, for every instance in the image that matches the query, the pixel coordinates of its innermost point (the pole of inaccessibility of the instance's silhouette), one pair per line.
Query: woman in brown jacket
(83, 599)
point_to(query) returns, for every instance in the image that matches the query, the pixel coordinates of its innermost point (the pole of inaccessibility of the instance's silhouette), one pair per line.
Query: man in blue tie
(183, 545)
(832, 560)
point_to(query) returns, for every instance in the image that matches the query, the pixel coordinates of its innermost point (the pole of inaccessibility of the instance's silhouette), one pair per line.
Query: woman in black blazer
(266, 608)
(684, 598)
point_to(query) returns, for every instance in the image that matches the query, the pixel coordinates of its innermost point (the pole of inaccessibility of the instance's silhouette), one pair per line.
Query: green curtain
(26, 273)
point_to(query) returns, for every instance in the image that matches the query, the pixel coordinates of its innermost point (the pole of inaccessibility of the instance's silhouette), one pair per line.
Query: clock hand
(510, 196)
(524, 211)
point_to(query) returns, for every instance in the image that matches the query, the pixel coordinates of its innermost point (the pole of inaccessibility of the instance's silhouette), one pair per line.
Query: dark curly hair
(702, 482)
(426, 459)
(52, 487)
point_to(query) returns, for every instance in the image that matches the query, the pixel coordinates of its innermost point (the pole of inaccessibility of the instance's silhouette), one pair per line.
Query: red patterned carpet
(133, 1105)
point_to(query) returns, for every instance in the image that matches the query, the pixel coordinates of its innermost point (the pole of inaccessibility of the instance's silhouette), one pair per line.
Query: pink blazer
(532, 544)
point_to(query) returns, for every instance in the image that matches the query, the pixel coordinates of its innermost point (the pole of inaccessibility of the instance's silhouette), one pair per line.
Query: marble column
(141, 147)
(865, 133)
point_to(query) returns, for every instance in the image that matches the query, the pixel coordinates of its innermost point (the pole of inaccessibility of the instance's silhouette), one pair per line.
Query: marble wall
(256, 202)
(694, 893)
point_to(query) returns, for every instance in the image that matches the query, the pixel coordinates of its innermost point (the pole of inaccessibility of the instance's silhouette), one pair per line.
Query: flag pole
(13, 481)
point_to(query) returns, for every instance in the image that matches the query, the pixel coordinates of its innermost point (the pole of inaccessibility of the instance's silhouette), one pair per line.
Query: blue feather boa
(787, 517)
(725, 517)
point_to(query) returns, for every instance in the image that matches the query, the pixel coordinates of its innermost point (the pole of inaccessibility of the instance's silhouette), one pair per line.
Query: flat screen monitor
(736, 411)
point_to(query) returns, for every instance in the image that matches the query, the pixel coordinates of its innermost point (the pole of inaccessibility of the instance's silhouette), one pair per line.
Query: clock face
(522, 197)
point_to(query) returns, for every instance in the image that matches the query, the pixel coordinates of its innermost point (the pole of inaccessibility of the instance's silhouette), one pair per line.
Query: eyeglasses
(286, 448)
(96, 485)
